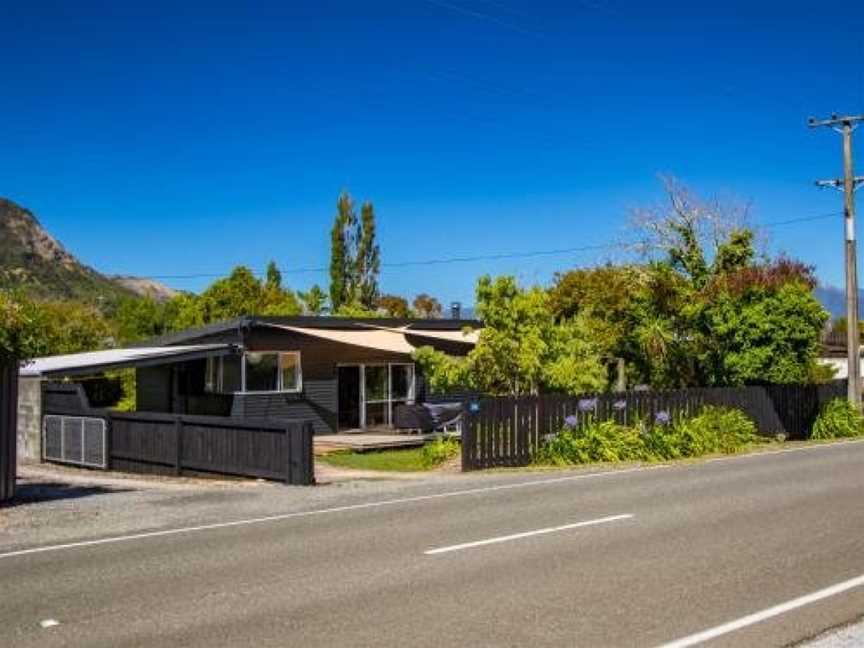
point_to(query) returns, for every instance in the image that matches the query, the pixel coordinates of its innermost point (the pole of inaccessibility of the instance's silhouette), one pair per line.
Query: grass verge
(429, 456)
(407, 460)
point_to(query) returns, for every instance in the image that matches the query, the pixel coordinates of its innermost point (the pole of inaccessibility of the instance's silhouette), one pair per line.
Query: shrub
(596, 441)
(838, 419)
(712, 430)
(438, 451)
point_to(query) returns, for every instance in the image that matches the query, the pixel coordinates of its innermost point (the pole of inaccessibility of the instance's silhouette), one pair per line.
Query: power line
(485, 257)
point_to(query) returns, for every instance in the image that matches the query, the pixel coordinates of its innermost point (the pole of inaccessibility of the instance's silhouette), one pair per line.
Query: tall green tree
(341, 252)
(273, 279)
(368, 259)
(355, 257)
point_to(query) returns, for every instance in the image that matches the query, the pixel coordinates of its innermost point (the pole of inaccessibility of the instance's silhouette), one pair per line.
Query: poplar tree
(341, 252)
(368, 260)
(274, 277)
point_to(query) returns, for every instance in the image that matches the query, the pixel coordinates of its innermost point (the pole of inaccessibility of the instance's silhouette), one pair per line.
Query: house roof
(420, 326)
(378, 339)
(464, 336)
(381, 338)
(96, 361)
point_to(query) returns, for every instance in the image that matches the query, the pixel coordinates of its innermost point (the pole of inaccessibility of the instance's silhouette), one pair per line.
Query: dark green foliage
(368, 259)
(761, 334)
(237, 295)
(314, 300)
(20, 335)
(142, 318)
(713, 430)
(703, 312)
(838, 419)
(340, 251)
(355, 257)
(597, 441)
(522, 349)
(274, 277)
(31, 329)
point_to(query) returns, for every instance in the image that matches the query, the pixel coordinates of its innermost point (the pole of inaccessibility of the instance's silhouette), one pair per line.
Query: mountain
(146, 287)
(834, 300)
(32, 260)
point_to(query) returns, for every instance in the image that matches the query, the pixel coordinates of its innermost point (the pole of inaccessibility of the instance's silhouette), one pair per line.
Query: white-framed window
(222, 375)
(272, 371)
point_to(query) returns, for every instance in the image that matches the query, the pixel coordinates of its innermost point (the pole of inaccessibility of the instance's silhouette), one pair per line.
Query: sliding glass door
(384, 387)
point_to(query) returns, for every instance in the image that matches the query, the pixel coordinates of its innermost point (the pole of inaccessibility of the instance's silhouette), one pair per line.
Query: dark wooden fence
(8, 429)
(503, 431)
(174, 444)
(177, 444)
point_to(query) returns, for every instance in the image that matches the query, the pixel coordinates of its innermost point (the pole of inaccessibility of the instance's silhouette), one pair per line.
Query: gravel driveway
(56, 504)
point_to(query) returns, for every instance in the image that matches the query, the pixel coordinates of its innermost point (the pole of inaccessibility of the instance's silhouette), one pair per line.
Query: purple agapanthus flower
(619, 405)
(571, 421)
(662, 417)
(587, 404)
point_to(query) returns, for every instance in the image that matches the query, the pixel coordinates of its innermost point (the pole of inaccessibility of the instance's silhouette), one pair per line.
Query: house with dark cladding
(339, 373)
(342, 374)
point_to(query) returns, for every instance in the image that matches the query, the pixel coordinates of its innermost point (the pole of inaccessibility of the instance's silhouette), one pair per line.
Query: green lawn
(409, 460)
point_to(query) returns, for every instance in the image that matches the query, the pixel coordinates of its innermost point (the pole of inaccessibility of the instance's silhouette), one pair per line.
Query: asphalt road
(630, 558)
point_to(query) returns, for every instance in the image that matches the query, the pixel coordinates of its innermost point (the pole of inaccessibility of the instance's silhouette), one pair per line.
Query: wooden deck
(360, 442)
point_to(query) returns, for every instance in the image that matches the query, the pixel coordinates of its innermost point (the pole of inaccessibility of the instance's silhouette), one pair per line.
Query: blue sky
(161, 140)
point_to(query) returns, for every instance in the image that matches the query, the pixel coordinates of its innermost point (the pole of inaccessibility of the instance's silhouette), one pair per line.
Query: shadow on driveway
(46, 491)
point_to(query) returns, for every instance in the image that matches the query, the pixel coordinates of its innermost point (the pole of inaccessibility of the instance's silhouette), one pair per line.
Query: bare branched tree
(685, 220)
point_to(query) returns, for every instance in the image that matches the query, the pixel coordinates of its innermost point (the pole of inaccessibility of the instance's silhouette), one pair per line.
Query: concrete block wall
(30, 419)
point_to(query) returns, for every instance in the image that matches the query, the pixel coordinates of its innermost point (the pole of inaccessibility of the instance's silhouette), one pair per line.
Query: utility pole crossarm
(839, 183)
(835, 120)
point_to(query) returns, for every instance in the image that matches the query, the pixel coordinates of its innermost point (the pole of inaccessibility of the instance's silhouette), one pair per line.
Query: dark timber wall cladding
(158, 391)
(318, 402)
(8, 429)
(503, 431)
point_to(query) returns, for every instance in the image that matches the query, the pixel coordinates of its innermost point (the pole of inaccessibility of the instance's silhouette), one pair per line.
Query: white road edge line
(768, 613)
(335, 509)
(527, 534)
(763, 453)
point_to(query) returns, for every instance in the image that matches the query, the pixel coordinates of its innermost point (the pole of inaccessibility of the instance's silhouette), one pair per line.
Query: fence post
(300, 460)
(109, 441)
(178, 445)
(468, 440)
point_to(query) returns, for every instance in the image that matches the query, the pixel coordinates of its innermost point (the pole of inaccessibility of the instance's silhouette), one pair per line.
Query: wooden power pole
(848, 183)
